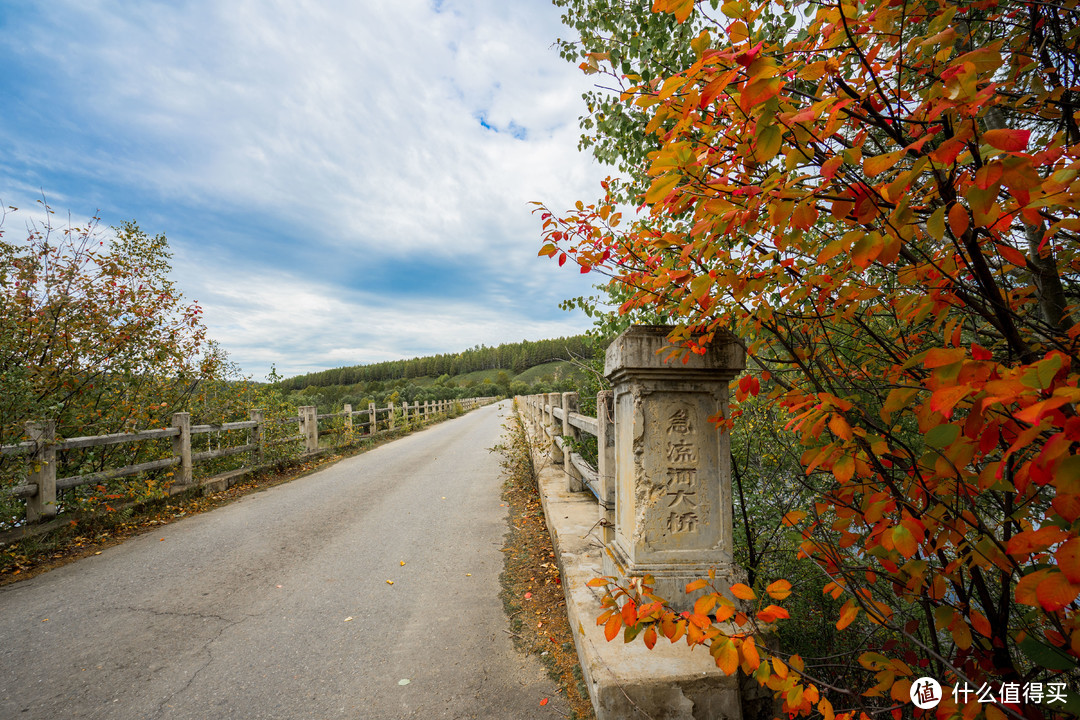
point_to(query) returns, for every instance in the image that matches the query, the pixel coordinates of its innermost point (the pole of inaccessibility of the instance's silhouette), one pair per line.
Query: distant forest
(514, 358)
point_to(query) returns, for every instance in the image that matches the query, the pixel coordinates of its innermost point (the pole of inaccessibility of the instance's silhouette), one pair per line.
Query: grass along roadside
(532, 591)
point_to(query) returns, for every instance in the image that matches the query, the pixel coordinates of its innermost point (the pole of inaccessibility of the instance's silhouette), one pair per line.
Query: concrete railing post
(348, 420)
(605, 462)
(257, 438)
(555, 427)
(569, 434)
(182, 449)
(372, 427)
(309, 427)
(42, 471)
(673, 506)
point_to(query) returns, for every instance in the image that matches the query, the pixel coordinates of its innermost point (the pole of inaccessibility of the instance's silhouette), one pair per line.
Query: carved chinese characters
(681, 474)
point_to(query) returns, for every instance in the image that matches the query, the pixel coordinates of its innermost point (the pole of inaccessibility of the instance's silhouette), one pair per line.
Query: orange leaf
(543, 702)
(844, 468)
(1025, 589)
(840, 427)
(980, 623)
(611, 629)
(904, 541)
(743, 592)
(727, 657)
(750, 653)
(830, 166)
(958, 219)
(696, 585)
(1055, 592)
(629, 613)
(1031, 541)
(1068, 560)
(650, 637)
(847, 614)
(759, 91)
(779, 590)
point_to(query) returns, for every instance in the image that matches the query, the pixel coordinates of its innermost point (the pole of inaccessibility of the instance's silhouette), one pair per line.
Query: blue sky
(341, 182)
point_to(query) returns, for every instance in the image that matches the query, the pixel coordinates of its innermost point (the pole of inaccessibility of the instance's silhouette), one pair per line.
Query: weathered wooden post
(417, 418)
(348, 420)
(605, 462)
(568, 432)
(405, 414)
(181, 445)
(309, 427)
(390, 414)
(673, 502)
(372, 427)
(256, 438)
(42, 471)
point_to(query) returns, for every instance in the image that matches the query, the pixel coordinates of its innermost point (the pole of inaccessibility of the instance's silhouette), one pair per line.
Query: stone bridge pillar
(673, 502)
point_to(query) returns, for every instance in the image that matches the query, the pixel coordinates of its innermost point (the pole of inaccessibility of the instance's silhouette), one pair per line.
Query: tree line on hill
(514, 358)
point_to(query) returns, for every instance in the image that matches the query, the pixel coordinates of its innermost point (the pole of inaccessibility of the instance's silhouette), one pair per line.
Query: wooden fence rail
(40, 491)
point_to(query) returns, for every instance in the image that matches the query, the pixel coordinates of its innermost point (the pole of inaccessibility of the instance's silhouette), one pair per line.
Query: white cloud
(345, 134)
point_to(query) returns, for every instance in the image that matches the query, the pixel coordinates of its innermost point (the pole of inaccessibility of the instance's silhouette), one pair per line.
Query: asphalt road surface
(278, 606)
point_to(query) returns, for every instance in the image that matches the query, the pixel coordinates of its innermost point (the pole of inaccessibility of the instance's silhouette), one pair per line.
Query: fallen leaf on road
(389, 582)
(161, 540)
(280, 586)
(403, 681)
(402, 563)
(468, 574)
(528, 595)
(543, 702)
(348, 619)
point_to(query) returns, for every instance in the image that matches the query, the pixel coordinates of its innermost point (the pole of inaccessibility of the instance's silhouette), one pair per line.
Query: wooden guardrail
(42, 485)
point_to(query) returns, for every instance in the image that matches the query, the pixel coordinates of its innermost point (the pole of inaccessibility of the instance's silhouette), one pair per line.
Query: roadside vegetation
(532, 591)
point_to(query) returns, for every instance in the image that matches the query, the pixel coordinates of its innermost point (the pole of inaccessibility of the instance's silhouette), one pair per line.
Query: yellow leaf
(660, 187)
(876, 164)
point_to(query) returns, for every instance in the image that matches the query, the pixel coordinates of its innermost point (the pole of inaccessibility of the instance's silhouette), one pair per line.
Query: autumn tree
(880, 197)
(95, 337)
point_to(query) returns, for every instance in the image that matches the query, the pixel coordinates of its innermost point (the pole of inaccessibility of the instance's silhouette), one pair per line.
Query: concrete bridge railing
(42, 485)
(662, 489)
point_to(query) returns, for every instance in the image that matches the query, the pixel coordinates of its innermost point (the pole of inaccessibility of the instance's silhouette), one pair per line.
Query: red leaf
(543, 702)
(1007, 140)
(748, 57)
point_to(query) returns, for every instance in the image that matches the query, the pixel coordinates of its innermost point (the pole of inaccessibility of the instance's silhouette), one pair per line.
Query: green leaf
(768, 143)
(1046, 656)
(942, 435)
(936, 224)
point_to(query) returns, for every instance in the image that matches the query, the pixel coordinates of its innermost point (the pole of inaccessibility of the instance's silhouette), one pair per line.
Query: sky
(341, 182)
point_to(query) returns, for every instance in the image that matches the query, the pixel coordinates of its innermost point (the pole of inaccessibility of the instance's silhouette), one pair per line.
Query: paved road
(241, 612)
